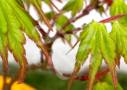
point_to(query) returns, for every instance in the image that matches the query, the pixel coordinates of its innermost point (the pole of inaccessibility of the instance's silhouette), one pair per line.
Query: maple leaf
(14, 21)
(3, 40)
(62, 20)
(119, 33)
(50, 15)
(74, 6)
(16, 38)
(119, 7)
(103, 86)
(107, 78)
(95, 39)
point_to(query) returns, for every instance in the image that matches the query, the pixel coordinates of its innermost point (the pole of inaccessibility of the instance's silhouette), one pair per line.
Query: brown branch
(41, 30)
(84, 78)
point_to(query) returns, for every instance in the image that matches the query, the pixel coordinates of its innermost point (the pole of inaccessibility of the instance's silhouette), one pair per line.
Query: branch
(41, 30)
(85, 12)
(84, 78)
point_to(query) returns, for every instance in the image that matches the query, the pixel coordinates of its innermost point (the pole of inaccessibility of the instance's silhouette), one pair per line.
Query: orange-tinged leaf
(16, 38)
(29, 28)
(14, 20)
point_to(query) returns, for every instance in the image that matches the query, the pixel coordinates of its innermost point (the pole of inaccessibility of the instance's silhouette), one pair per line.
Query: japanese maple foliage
(94, 39)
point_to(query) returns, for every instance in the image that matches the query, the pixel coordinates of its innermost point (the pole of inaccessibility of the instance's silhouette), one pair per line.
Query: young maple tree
(94, 39)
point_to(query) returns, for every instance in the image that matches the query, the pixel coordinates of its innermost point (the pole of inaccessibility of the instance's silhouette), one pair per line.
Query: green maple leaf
(95, 39)
(119, 35)
(107, 84)
(3, 39)
(50, 15)
(74, 6)
(103, 86)
(107, 78)
(14, 20)
(62, 20)
(119, 7)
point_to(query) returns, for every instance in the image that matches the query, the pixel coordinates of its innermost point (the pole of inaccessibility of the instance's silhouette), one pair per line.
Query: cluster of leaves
(15, 21)
(103, 45)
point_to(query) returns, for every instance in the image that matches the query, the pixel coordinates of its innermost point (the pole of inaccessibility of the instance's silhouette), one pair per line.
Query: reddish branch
(41, 30)
(102, 73)
(84, 78)
(60, 34)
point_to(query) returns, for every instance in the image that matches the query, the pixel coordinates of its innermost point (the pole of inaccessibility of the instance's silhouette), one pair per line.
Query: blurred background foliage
(47, 80)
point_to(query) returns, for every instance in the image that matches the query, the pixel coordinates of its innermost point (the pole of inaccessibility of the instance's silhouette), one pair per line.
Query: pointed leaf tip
(74, 5)
(72, 47)
(95, 39)
(119, 7)
(14, 19)
(37, 6)
(76, 69)
(108, 50)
